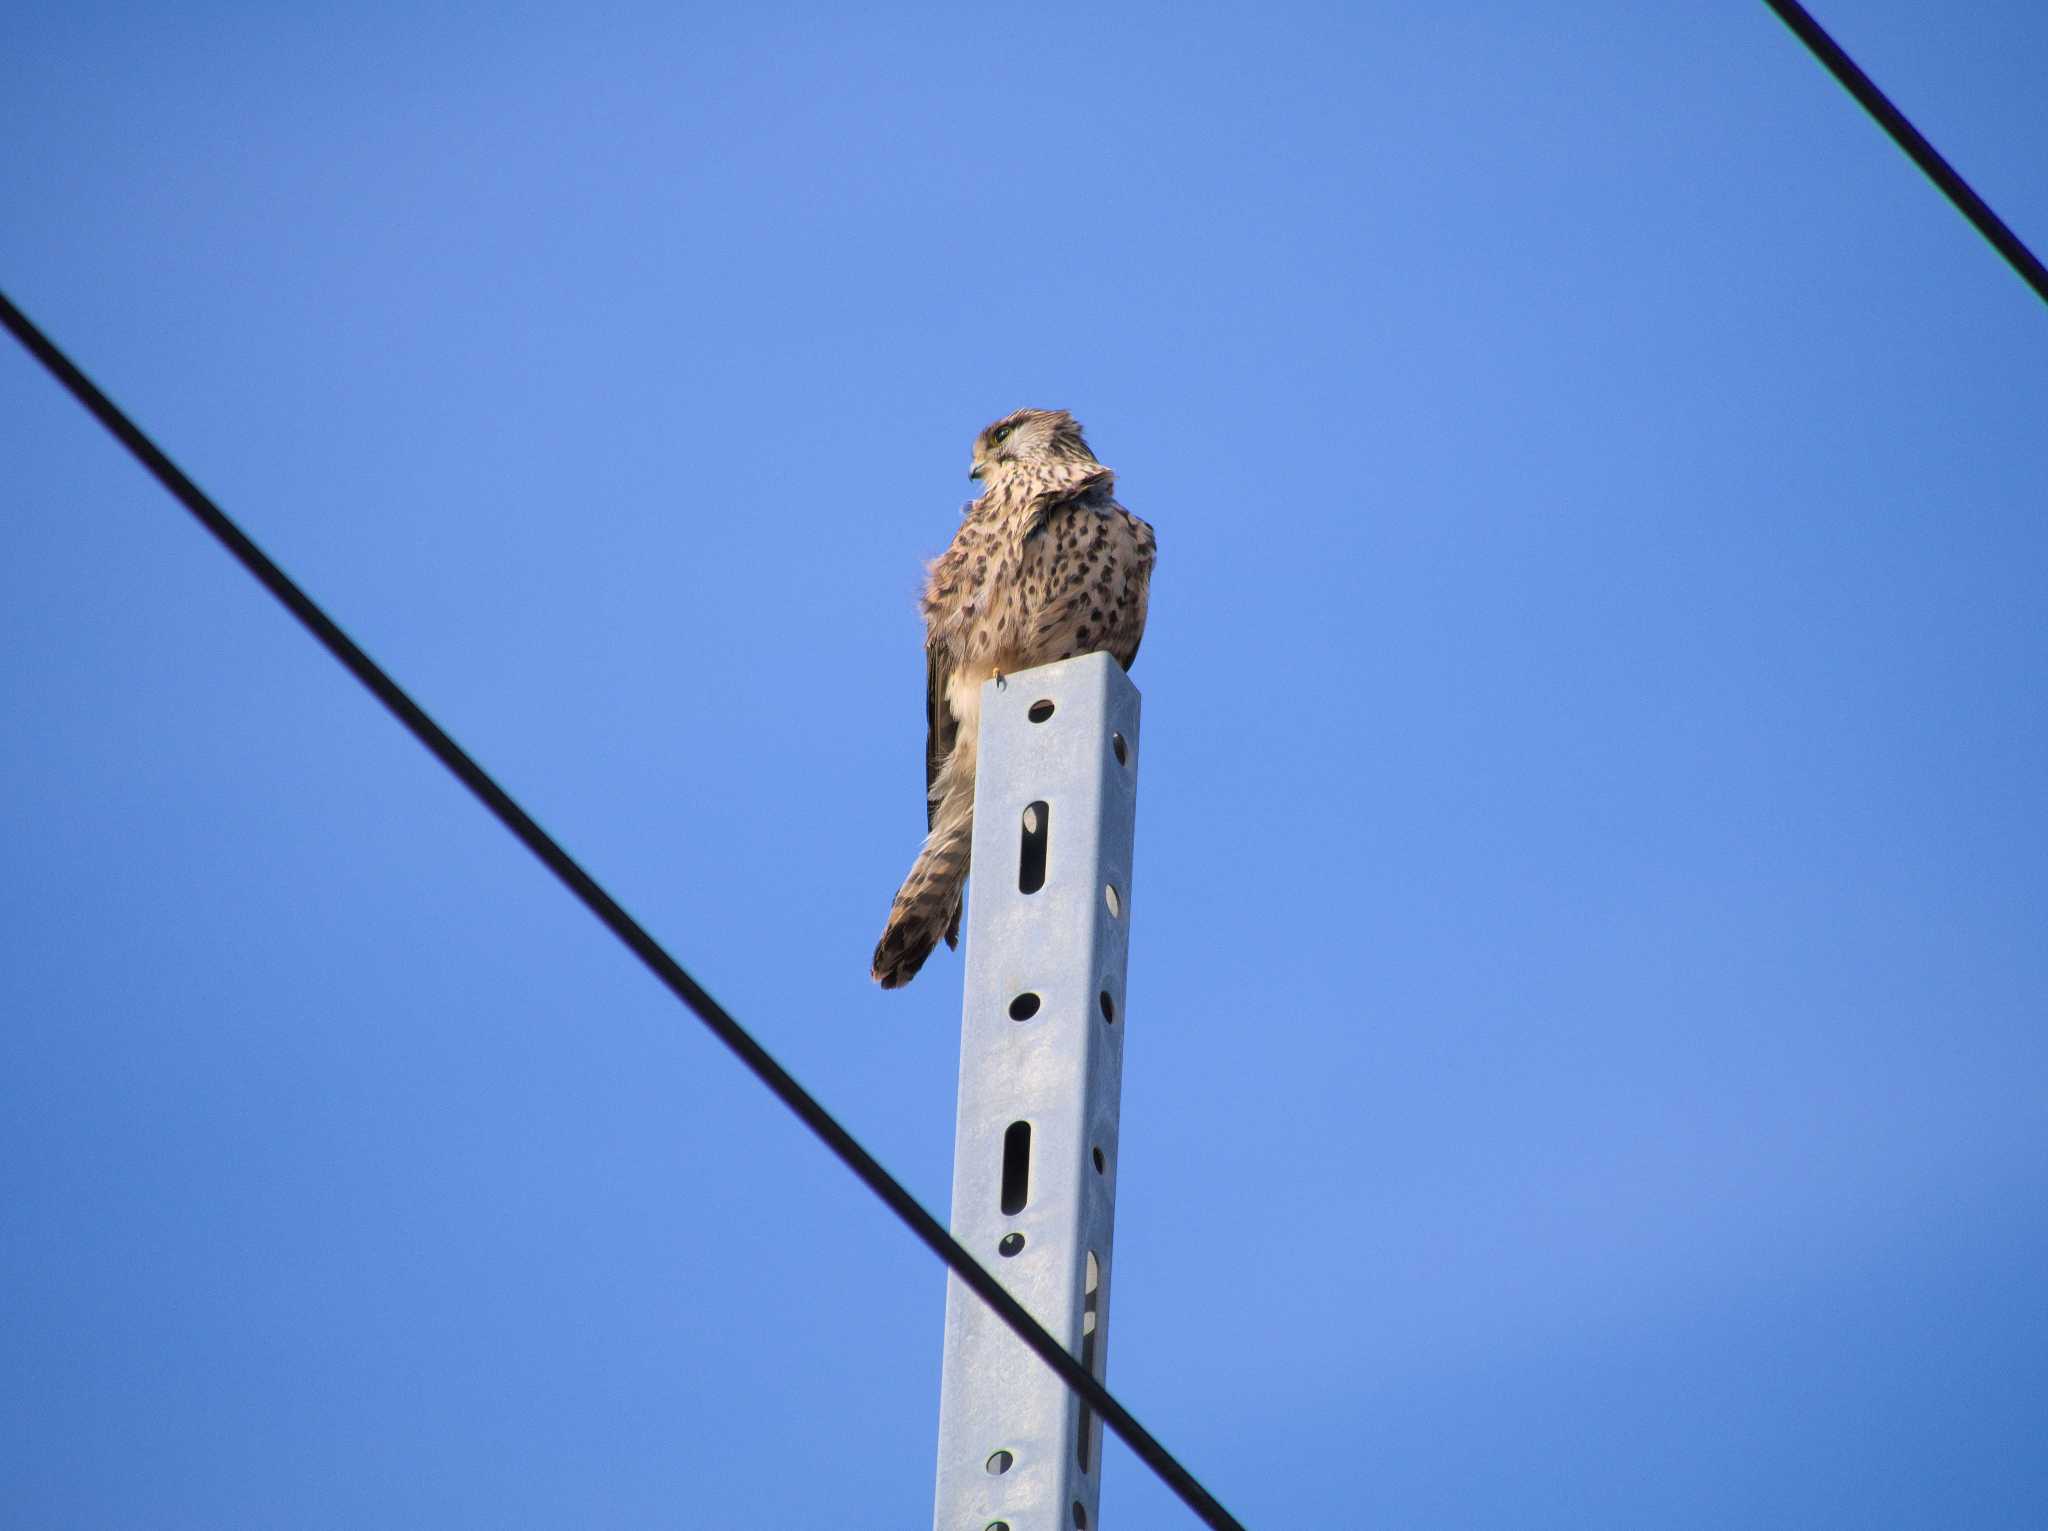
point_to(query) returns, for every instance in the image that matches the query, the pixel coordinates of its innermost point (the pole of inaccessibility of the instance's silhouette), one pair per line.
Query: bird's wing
(940, 725)
(1092, 492)
(1144, 550)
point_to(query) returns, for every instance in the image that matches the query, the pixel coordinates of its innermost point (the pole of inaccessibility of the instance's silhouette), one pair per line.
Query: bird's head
(1030, 437)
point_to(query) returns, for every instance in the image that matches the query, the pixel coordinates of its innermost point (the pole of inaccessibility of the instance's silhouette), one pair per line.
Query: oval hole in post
(1031, 854)
(1039, 711)
(1091, 1324)
(1122, 750)
(1016, 1168)
(998, 1463)
(1111, 898)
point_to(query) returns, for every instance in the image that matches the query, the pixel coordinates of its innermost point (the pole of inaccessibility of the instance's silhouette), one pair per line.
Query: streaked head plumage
(1026, 437)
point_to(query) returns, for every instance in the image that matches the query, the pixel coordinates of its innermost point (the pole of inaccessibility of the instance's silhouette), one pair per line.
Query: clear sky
(1586, 1059)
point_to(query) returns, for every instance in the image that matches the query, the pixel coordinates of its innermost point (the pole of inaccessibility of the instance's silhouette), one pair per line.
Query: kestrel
(1046, 565)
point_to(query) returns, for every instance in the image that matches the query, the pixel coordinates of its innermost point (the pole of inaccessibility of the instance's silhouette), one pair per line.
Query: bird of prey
(1045, 566)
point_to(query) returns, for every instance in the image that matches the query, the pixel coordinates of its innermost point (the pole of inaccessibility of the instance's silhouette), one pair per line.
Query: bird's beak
(975, 471)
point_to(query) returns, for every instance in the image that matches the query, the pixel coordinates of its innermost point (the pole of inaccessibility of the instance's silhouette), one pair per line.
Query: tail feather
(927, 906)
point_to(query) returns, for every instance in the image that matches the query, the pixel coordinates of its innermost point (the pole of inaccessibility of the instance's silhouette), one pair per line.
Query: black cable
(1909, 138)
(621, 924)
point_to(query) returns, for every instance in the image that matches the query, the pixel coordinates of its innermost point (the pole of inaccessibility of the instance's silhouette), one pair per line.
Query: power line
(621, 924)
(1909, 138)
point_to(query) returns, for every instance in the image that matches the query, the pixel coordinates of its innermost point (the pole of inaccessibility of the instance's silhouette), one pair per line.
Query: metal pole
(1041, 1075)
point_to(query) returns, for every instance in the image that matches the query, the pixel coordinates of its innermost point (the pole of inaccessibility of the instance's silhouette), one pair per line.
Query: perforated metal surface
(1068, 778)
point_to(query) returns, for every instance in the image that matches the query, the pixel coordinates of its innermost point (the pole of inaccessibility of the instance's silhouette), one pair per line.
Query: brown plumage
(1046, 565)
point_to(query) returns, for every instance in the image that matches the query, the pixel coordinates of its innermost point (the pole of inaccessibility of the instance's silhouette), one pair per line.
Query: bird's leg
(1001, 684)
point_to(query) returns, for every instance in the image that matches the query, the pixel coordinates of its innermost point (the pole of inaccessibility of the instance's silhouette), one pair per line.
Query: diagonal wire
(621, 924)
(1909, 138)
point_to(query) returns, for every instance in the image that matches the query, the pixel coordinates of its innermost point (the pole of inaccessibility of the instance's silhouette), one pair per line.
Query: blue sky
(1585, 1057)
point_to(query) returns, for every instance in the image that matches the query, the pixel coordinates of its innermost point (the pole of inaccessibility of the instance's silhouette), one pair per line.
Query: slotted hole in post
(999, 1463)
(1016, 1168)
(1108, 1006)
(1039, 711)
(1080, 1517)
(1120, 749)
(1023, 1007)
(1031, 857)
(1091, 1293)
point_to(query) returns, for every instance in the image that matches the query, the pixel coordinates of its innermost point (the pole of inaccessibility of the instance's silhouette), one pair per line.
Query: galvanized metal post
(1041, 1076)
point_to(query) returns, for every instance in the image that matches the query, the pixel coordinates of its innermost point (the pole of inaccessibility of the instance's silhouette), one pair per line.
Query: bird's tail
(928, 904)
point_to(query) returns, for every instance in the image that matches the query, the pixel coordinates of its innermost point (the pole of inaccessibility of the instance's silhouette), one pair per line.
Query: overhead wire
(1914, 142)
(629, 931)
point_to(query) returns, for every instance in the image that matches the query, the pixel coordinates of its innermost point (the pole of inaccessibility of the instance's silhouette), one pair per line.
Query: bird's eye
(997, 436)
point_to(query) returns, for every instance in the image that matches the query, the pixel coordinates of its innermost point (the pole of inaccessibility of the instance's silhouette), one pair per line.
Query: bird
(1046, 566)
